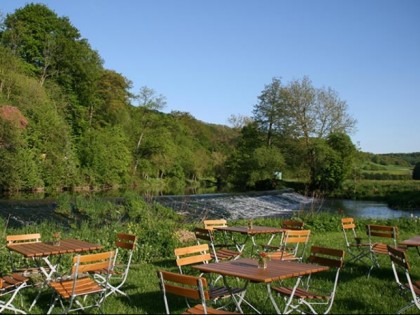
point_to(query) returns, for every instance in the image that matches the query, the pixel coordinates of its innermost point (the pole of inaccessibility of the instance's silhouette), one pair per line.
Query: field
(356, 293)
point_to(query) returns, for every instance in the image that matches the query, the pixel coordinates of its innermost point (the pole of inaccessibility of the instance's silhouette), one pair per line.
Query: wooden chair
(357, 249)
(125, 246)
(293, 245)
(400, 267)
(10, 286)
(380, 236)
(189, 287)
(218, 251)
(18, 264)
(315, 292)
(199, 254)
(75, 289)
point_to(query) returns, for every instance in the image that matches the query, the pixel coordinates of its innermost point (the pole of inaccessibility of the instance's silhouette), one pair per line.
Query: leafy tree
(416, 171)
(301, 113)
(53, 49)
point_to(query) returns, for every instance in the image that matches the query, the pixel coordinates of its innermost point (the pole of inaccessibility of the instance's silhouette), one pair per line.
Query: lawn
(356, 294)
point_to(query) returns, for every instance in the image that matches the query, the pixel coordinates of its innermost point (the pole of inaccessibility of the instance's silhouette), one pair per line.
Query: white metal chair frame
(80, 284)
(357, 249)
(400, 265)
(126, 242)
(309, 295)
(10, 286)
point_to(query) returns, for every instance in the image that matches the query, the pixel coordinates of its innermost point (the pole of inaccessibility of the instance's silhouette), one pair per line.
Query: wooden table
(250, 233)
(247, 269)
(41, 251)
(412, 242)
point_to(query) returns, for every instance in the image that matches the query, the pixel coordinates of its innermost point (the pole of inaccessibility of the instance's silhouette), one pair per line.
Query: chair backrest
(400, 265)
(23, 238)
(203, 234)
(333, 258)
(294, 242)
(348, 226)
(292, 225)
(192, 255)
(210, 224)
(83, 264)
(383, 232)
(189, 287)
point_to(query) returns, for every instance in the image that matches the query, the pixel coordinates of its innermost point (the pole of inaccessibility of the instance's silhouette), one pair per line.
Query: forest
(68, 123)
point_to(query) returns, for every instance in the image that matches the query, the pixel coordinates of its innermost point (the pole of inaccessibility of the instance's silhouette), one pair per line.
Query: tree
(416, 171)
(302, 113)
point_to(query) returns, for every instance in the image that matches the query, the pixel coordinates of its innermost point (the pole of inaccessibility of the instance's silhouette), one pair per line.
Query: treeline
(68, 123)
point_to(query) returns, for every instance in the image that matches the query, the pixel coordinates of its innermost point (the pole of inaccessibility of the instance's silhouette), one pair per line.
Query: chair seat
(8, 282)
(223, 292)
(381, 248)
(198, 309)
(224, 254)
(84, 286)
(300, 293)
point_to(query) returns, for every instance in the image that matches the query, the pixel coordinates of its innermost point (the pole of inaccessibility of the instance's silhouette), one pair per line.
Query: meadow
(157, 238)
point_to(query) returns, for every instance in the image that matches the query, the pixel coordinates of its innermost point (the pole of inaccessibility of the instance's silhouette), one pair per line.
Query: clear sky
(213, 58)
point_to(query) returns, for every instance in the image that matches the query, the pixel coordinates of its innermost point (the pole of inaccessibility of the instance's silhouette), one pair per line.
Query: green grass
(356, 293)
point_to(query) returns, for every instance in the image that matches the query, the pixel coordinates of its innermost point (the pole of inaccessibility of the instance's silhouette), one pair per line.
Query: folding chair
(379, 237)
(125, 246)
(218, 251)
(400, 266)
(9, 289)
(190, 255)
(357, 249)
(77, 288)
(189, 287)
(319, 289)
(293, 245)
(23, 266)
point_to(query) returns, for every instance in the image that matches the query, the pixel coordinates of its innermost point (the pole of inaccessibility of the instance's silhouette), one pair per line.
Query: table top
(247, 268)
(255, 229)
(414, 241)
(43, 249)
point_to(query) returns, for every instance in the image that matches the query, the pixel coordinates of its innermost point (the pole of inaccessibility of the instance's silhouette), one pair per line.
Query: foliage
(416, 171)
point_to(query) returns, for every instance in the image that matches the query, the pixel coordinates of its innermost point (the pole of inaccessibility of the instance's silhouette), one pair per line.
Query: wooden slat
(191, 249)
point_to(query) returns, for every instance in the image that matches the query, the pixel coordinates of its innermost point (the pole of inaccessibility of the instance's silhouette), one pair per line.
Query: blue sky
(213, 58)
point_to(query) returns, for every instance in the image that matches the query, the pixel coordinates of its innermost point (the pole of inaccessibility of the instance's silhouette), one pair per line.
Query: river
(229, 206)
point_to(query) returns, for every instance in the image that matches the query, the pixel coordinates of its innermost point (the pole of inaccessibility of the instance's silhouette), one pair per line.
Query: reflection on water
(367, 209)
